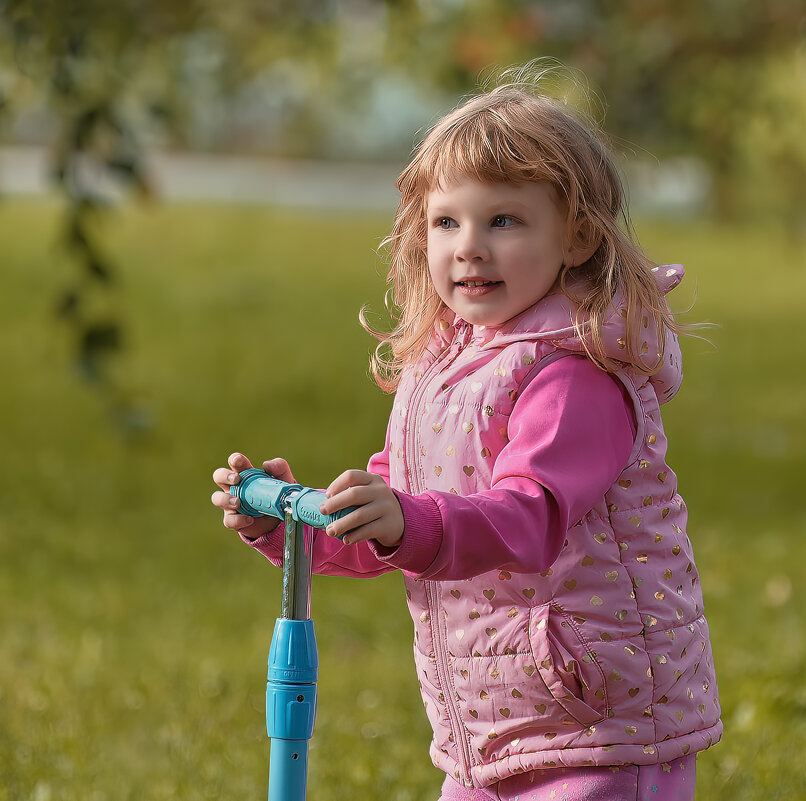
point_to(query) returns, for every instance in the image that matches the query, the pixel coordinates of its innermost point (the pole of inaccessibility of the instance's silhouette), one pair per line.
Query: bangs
(483, 146)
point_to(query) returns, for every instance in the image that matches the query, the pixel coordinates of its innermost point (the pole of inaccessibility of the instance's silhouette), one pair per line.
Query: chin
(475, 319)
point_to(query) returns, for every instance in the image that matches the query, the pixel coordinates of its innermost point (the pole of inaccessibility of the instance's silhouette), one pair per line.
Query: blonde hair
(513, 134)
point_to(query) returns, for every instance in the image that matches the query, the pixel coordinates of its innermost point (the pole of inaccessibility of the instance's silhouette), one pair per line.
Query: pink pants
(669, 781)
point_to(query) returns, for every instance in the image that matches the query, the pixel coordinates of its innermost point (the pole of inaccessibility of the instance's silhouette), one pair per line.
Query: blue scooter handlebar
(261, 495)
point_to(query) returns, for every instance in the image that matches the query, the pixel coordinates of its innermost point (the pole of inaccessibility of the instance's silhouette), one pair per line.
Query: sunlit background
(192, 198)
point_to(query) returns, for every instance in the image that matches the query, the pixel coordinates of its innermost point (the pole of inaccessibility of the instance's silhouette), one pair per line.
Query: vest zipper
(436, 618)
(440, 638)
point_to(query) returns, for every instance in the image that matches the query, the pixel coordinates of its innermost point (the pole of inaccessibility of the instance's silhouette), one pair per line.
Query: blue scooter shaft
(291, 707)
(288, 770)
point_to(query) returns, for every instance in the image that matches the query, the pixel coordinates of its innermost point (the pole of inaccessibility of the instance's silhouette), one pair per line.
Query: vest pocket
(567, 665)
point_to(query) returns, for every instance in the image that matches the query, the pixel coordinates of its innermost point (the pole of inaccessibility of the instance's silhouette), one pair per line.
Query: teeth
(476, 283)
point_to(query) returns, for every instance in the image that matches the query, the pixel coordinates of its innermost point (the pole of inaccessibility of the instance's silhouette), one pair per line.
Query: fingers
(279, 468)
(376, 521)
(371, 531)
(362, 516)
(377, 516)
(352, 488)
(225, 477)
(252, 528)
(229, 503)
(349, 479)
(239, 462)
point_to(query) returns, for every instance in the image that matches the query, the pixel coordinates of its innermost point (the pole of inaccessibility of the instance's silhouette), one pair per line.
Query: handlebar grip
(262, 495)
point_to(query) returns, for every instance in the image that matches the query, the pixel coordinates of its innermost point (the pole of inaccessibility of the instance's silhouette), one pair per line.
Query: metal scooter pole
(293, 671)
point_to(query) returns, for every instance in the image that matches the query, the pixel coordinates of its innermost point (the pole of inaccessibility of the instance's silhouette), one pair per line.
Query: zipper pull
(465, 334)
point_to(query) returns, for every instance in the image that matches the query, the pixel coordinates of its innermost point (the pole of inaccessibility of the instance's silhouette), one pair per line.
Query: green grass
(134, 628)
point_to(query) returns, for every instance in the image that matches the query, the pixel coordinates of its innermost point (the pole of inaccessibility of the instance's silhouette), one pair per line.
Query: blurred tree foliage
(111, 73)
(724, 80)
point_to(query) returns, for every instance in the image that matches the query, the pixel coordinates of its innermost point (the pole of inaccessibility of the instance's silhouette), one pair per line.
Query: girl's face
(494, 250)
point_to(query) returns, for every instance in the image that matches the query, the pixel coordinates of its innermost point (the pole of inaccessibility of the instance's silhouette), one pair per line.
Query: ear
(583, 243)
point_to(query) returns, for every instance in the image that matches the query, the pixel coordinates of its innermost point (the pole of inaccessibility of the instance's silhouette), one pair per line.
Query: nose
(471, 246)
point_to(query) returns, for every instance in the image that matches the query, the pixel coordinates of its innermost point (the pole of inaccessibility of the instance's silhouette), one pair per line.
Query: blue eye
(502, 221)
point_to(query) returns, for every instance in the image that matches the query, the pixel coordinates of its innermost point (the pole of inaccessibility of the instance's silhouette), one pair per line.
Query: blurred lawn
(134, 629)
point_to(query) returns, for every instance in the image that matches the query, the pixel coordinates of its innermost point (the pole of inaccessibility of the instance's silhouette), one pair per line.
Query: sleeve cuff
(422, 535)
(271, 544)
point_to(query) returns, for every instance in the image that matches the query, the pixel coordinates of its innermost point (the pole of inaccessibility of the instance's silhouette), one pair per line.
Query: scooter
(293, 658)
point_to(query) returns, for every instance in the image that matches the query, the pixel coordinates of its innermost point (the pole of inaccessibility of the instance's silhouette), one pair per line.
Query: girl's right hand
(249, 527)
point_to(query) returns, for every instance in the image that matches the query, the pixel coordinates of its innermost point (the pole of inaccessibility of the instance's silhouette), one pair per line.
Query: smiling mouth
(477, 283)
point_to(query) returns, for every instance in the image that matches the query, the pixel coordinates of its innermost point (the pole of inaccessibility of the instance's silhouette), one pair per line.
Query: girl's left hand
(378, 517)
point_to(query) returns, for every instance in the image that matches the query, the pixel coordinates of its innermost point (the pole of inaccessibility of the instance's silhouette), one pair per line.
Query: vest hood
(552, 317)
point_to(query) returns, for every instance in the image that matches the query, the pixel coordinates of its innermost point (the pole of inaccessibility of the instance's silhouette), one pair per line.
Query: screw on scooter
(293, 657)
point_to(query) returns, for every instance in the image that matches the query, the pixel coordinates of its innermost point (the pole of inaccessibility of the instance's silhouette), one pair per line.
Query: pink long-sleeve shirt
(570, 435)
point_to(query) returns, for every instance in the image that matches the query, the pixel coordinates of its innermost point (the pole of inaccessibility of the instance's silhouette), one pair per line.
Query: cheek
(436, 261)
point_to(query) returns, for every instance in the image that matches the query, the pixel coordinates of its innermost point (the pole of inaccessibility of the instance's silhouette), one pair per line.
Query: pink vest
(604, 658)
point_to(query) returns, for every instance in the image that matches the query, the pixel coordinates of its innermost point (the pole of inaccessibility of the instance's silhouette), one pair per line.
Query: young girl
(523, 490)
